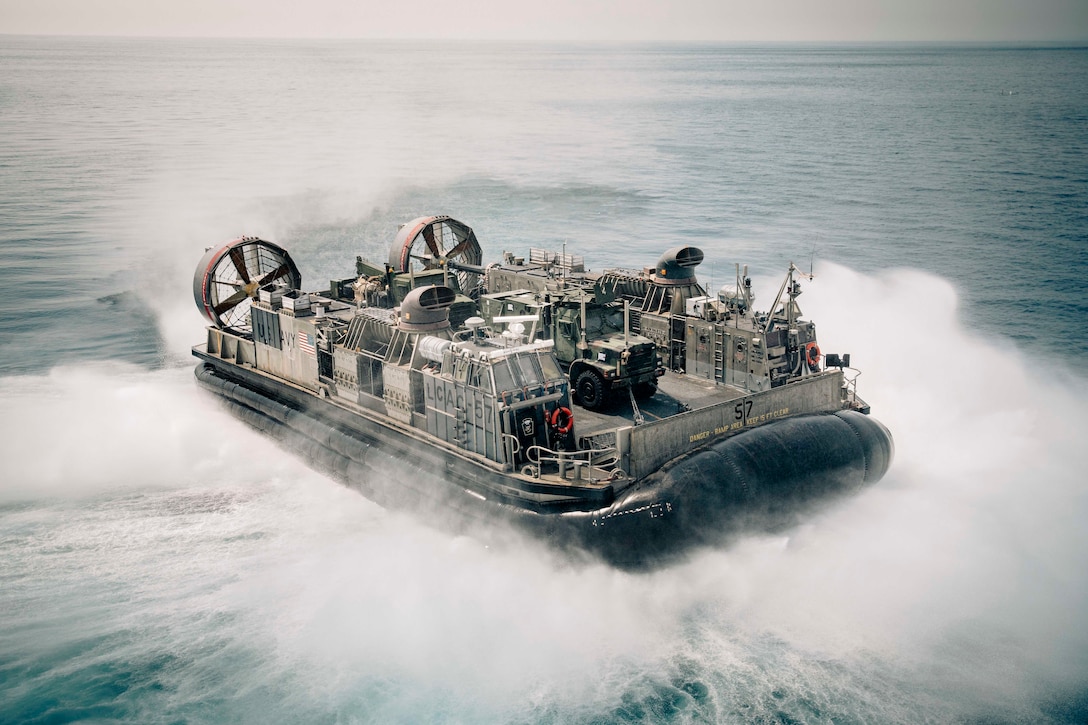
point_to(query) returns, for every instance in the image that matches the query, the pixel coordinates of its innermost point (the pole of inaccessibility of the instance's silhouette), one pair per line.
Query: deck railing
(591, 465)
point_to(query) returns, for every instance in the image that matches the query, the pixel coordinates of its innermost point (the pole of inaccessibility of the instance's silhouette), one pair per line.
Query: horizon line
(575, 41)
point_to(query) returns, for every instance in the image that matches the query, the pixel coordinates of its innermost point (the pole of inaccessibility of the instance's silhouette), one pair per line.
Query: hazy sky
(608, 20)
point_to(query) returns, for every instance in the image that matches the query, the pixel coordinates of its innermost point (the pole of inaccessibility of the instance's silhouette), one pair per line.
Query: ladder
(719, 354)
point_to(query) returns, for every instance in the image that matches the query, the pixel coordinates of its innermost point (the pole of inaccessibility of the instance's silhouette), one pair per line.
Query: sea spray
(948, 590)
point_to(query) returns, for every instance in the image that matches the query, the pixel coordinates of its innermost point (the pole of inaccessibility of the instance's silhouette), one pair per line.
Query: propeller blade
(231, 302)
(459, 249)
(239, 260)
(428, 235)
(428, 262)
(274, 274)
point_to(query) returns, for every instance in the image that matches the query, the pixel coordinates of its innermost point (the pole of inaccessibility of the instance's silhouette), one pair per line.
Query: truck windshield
(604, 320)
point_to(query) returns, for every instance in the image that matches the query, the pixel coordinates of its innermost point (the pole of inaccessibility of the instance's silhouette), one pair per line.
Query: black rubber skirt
(762, 479)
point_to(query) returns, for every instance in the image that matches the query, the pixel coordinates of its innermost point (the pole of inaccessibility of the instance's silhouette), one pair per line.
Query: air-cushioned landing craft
(626, 414)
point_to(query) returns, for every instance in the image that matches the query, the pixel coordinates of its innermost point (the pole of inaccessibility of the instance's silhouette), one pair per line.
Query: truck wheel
(589, 388)
(645, 391)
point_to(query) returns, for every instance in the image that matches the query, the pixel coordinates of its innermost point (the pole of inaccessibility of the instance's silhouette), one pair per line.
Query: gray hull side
(759, 479)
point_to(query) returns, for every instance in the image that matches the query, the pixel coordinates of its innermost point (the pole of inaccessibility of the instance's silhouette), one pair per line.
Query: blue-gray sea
(162, 563)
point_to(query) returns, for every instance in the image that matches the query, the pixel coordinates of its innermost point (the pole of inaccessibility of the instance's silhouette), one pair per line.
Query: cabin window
(460, 369)
(550, 367)
(530, 370)
(477, 377)
(504, 376)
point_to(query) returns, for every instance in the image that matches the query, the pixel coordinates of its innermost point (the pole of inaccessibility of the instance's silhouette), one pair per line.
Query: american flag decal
(306, 344)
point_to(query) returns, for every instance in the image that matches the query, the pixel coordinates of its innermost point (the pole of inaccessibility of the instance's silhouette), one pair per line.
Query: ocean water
(161, 563)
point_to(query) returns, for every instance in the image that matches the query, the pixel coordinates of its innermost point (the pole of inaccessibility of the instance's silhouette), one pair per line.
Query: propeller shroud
(229, 277)
(433, 241)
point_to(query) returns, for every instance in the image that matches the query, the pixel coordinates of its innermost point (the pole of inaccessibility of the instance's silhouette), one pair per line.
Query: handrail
(851, 384)
(590, 457)
(587, 454)
(511, 445)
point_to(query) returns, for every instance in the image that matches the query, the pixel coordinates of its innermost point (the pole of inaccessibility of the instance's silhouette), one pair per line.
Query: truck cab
(592, 339)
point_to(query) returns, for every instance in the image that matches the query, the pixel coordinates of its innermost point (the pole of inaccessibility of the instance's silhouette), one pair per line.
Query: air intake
(426, 309)
(677, 266)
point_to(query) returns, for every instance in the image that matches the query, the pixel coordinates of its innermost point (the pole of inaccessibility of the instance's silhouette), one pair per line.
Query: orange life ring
(812, 354)
(562, 420)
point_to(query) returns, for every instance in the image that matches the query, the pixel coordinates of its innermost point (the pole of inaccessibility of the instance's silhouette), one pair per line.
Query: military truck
(558, 300)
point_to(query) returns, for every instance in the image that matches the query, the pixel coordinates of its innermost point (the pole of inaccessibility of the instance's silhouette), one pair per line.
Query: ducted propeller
(230, 276)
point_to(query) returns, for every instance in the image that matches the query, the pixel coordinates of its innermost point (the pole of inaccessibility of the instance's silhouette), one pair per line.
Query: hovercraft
(626, 414)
